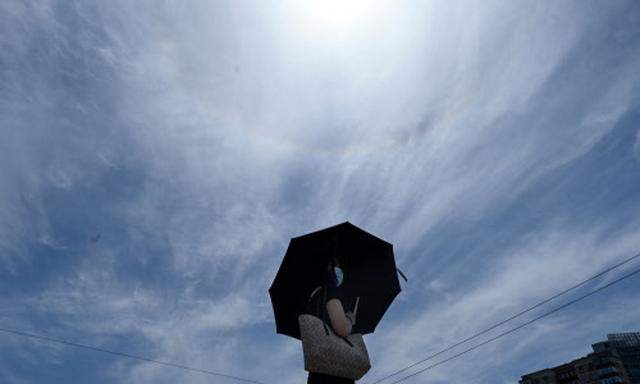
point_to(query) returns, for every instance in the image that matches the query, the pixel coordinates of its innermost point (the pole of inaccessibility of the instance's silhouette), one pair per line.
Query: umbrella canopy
(369, 273)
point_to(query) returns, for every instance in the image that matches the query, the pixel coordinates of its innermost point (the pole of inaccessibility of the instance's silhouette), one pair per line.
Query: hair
(333, 262)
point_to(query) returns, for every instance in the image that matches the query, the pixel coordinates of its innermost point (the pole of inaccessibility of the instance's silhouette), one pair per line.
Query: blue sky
(157, 156)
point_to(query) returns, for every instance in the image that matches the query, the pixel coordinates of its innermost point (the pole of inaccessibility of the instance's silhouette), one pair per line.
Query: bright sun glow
(339, 19)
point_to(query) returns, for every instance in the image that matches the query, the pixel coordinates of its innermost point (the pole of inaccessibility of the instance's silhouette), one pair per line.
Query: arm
(339, 321)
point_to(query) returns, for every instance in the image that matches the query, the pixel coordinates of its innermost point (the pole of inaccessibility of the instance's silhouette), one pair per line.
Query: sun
(338, 19)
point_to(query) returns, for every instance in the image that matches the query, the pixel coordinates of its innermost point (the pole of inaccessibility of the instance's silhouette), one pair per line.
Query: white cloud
(245, 137)
(544, 264)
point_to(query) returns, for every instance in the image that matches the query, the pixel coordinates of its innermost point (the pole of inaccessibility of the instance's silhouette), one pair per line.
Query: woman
(340, 322)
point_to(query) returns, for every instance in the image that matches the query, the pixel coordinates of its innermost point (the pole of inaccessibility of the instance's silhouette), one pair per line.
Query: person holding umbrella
(326, 298)
(319, 272)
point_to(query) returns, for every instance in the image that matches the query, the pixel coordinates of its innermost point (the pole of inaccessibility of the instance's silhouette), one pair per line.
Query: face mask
(339, 275)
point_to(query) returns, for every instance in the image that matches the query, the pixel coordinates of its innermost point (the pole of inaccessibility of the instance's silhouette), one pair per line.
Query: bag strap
(307, 308)
(313, 293)
(347, 340)
(321, 311)
(318, 312)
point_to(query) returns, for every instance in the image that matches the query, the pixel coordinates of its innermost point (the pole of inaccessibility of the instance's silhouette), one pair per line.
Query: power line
(518, 327)
(179, 366)
(529, 309)
(187, 368)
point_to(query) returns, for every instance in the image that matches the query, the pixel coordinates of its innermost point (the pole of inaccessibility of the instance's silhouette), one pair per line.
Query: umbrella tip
(402, 274)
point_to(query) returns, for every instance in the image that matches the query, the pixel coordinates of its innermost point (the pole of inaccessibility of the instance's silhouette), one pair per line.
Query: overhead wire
(122, 354)
(518, 327)
(208, 372)
(526, 310)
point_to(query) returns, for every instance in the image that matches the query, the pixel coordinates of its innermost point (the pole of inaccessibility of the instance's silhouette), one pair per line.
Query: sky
(157, 157)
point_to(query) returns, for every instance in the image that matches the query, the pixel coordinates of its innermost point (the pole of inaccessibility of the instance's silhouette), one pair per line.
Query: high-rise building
(614, 361)
(627, 347)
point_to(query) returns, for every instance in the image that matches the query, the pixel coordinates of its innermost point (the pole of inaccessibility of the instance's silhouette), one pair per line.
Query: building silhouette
(616, 360)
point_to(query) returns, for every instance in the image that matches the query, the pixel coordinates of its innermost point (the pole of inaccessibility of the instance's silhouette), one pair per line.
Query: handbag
(329, 353)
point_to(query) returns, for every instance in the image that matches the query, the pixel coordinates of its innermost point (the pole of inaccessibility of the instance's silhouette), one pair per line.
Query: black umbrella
(369, 273)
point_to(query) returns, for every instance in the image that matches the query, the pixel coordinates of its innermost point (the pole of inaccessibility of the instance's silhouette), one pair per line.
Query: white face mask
(339, 275)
